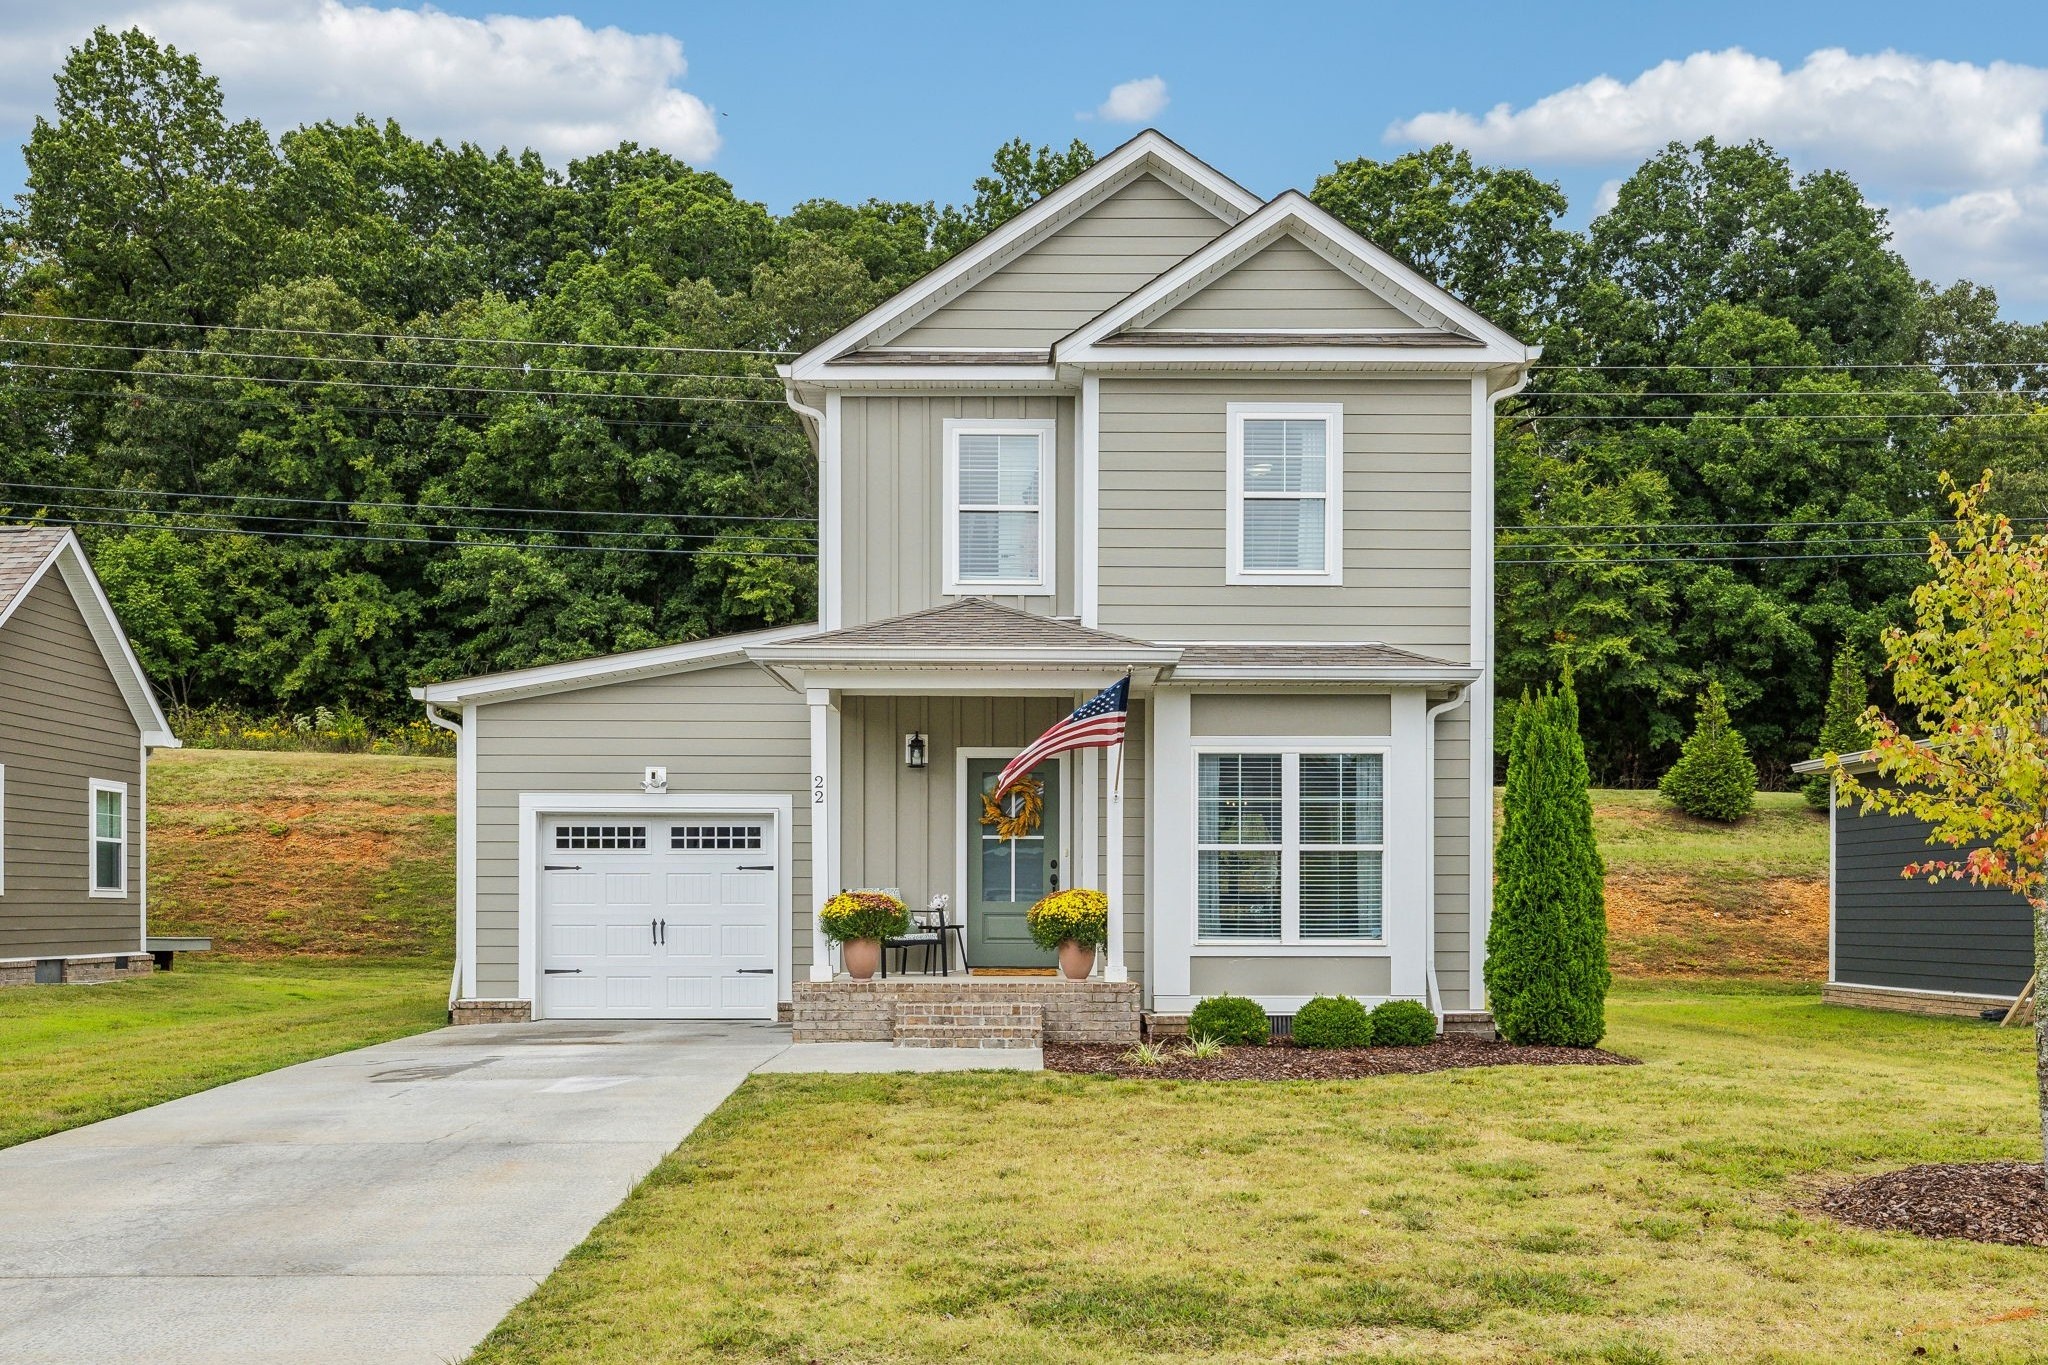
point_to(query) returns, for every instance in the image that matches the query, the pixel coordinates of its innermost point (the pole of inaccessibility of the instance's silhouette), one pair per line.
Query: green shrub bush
(1714, 778)
(1546, 952)
(1841, 726)
(1231, 1019)
(1332, 1021)
(1403, 1023)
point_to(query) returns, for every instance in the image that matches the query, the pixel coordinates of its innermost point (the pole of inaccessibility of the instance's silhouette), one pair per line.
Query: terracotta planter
(1076, 960)
(862, 956)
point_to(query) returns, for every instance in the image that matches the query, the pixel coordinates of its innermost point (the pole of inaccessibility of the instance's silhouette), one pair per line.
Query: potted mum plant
(858, 921)
(1074, 922)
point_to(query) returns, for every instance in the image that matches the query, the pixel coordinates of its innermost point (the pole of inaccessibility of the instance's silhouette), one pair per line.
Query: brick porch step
(968, 1023)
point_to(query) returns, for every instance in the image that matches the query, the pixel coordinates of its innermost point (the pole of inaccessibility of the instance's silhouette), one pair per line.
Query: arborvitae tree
(1714, 777)
(1841, 727)
(1546, 952)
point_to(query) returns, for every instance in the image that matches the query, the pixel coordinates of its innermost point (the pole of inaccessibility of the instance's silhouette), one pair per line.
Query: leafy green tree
(1019, 177)
(1714, 778)
(1546, 949)
(1841, 727)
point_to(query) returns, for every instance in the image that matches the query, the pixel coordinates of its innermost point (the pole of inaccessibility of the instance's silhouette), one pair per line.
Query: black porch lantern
(916, 750)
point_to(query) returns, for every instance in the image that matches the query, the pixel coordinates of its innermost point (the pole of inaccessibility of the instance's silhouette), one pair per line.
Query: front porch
(956, 1011)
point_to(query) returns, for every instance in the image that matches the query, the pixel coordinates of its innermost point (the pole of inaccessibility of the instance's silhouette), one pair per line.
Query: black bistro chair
(931, 930)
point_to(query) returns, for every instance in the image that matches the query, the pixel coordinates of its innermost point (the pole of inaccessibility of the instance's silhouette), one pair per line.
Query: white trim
(1331, 415)
(832, 517)
(1479, 903)
(1115, 969)
(534, 807)
(821, 799)
(1834, 835)
(930, 677)
(1973, 997)
(606, 668)
(1046, 509)
(466, 743)
(1148, 151)
(961, 829)
(94, 786)
(1169, 845)
(3, 829)
(1430, 717)
(1088, 503)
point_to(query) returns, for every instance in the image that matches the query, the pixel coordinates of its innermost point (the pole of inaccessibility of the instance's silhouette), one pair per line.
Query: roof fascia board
(1329, 674)
(105, 627)
(580, 673)
(956, 656)
(1108, 358)
(978, 376)
(1149, 150)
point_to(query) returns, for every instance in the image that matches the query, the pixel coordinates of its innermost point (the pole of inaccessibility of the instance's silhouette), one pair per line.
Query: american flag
(1096, 723)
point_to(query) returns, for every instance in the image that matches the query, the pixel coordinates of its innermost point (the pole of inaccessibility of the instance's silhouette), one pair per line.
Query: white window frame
(93, 841)
(1331, 415)
(1291, 846)
(1045, 429)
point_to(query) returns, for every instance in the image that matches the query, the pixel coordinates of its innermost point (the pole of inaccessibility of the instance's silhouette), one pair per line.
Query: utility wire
(402, 362)
(1928, 365)
(379, 384)
(434, 544)
(397, 336)
(391, 506)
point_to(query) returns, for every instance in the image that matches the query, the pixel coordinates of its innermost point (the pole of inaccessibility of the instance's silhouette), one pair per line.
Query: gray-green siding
(1891, 931)
(1407, 514)
(1285, 286)
(892, 486)
(63, 722)
(1067, 279)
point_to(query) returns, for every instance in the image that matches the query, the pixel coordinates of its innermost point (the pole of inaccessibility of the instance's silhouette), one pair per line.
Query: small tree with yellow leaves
(1973, 675)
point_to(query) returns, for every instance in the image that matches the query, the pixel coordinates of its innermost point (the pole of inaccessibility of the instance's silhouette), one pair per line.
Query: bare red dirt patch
(1666, 926)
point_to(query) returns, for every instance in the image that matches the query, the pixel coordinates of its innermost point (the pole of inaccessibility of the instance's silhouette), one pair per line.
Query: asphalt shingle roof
(23, 550)
(971, 621)
(1283, 656)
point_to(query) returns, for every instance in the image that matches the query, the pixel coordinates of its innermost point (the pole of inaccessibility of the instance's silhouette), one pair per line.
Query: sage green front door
(1004, 876)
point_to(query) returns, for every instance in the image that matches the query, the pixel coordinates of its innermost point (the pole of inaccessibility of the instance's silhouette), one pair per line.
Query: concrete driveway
(386, 1205)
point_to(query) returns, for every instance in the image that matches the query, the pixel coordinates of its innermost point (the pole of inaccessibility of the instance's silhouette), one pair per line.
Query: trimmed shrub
(1841, 726)
(853, 915)
(1714, 778)
(1403, 1023)
(1546, 952)
(1332, 1021)
(1231, 1019)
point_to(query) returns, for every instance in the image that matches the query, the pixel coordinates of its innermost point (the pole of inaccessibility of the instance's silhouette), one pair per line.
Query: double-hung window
(999, 506)
(109, 842)
(1290, 846)
(1286, 493)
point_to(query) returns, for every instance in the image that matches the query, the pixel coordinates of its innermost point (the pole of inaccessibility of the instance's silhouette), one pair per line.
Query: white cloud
(1955, 150)
(554, 84)
(1133, 101)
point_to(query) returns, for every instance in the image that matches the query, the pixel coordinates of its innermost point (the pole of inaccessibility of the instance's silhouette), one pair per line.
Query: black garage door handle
(561, 971)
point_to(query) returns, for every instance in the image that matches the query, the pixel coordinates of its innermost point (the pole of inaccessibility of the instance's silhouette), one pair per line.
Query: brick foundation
(1955, 1004)
(846, 1011)
(1470, 1024)
(84, 970)
(491, 1012)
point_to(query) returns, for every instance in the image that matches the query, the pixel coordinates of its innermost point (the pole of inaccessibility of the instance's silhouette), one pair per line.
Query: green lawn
(77, 1054)
(1641, 835)
(1621, 1215)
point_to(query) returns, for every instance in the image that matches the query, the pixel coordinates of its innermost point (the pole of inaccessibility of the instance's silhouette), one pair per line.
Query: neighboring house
(77, 722)
(1904, 943)
(1153, 425)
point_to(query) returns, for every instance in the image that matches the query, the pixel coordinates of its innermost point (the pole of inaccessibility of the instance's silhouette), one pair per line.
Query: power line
(1929, 365)
(1553, 560)
(433, 544)
(1770, 416)
(1651, 395)
(379, 384)
(390, 506)
(397, 336)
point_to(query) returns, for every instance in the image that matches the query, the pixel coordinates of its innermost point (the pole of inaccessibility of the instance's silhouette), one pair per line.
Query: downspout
(1456, 699)
(435, 718)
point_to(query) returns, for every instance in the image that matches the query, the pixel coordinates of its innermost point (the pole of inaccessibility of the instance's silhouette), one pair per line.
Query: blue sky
(1941, 120)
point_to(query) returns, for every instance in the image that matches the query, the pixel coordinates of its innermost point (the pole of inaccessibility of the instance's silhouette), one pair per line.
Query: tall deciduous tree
(1971, 761)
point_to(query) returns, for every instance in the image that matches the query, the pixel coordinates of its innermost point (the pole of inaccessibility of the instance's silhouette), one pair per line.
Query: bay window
(1290, 846)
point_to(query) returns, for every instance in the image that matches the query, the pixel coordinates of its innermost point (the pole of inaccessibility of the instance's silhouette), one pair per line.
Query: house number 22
(818, 789)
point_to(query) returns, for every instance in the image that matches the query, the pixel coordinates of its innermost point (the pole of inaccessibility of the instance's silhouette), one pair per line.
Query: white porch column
(824, 799)
(1113, 883)
(1170, 853)
(1406, 875)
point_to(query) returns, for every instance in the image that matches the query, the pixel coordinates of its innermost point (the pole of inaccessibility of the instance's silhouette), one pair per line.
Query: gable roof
(1444, 321)
(968, 622)
(1149, 153)
(28, 554)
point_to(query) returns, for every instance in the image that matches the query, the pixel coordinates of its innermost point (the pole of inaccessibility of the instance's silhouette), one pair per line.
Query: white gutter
(1429, 844)
(462, 874)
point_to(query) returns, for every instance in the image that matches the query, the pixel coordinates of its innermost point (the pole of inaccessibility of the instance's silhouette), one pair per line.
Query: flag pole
(1113, 968)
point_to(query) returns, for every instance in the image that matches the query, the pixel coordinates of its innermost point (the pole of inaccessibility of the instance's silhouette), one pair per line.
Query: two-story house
(1152, 426)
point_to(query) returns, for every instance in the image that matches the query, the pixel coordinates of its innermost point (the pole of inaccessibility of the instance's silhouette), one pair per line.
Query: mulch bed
(1285, 1062)
(1984, 1201)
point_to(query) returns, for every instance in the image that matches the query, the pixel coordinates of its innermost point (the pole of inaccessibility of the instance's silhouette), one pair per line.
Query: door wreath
(1024, 818)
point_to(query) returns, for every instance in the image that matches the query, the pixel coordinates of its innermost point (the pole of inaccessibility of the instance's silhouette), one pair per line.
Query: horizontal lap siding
(730, 729)
(1070, 277)
(1891, 931)
(63, 722)
(893, 487)
(1286, 285)
(1407, 514)
(1454, 857)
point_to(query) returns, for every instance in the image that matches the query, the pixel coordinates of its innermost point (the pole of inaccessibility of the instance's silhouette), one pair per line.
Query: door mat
(1016, 971)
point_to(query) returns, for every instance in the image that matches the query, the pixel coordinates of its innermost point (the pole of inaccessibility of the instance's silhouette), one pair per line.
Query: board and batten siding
(902, 827)
(1407, 514)
(1894, 931)
(1285, 286)
(63, 722)
(893, 491)
(1065, 280)
(725, 729)
(1334, 717)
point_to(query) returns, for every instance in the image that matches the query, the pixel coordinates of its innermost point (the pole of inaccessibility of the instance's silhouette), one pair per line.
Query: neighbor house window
(1290, 846)
(109, 838)
(999, 491)
(1286, 493)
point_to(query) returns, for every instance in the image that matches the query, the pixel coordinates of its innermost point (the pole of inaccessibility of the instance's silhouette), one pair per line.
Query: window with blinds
(998, 477)
(1290, 847)
(1285, 495)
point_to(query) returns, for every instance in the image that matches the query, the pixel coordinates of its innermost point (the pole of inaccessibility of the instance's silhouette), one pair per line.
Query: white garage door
(658, 917)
